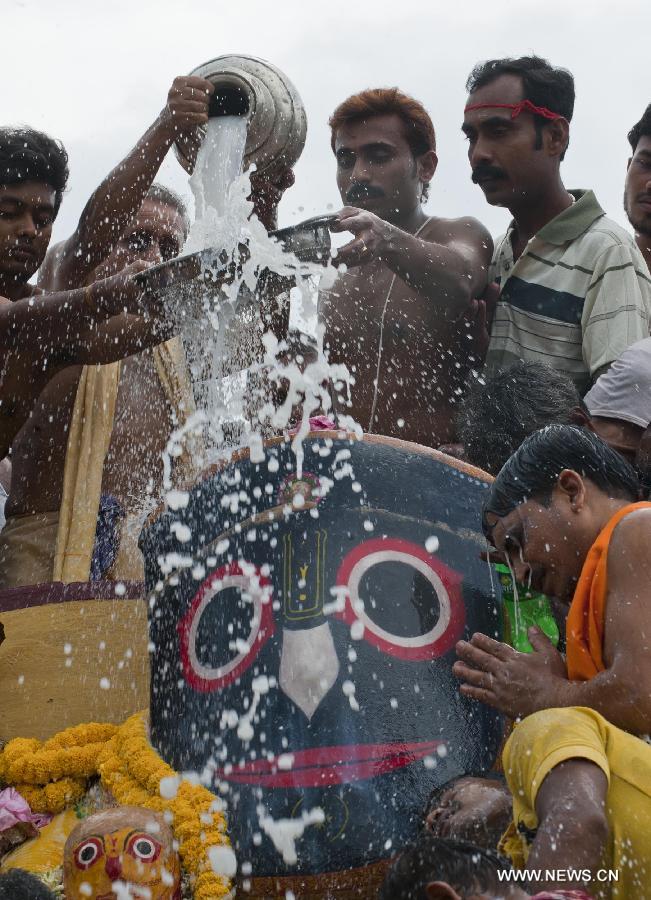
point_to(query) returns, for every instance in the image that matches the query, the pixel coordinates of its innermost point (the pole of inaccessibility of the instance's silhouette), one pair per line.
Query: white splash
(285, 832)
(222, 860)
(219, 162)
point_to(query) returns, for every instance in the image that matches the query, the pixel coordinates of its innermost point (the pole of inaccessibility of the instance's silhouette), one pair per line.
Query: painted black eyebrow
(645, 153)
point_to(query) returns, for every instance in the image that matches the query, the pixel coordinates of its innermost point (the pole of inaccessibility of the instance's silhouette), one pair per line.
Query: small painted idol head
(127, 851)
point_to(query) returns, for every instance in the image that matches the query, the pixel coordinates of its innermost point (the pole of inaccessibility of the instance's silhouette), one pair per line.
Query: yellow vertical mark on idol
(127, 845)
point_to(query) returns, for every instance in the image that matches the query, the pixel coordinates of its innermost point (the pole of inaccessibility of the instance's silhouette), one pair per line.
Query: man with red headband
(575, 291)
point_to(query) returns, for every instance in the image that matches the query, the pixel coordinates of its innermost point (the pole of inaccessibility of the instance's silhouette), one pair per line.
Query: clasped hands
(517, 684)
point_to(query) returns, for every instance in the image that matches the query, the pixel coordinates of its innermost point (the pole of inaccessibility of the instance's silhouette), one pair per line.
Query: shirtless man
(144, 414)
(39, 449)
(141, 426)
(396, 316)
(637, 193)
(40, 333)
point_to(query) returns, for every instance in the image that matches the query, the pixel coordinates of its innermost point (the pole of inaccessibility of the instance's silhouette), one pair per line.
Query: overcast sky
(95, 75)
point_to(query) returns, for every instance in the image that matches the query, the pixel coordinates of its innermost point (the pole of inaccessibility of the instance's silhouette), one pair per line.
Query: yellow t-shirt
(552, 736)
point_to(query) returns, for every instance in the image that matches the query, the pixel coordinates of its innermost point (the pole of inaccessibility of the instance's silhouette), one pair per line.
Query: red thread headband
(518, 108)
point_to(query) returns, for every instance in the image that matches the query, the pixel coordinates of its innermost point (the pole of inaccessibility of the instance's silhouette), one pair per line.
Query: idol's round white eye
(87, 853)
(211, 657)
(143, 847)
(380, 576)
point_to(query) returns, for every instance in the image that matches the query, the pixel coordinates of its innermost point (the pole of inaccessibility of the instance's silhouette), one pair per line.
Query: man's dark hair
(496, 416)
(640, 129)
(20, 885)
(533, 470)
(161, 194)
(28, 155)
(465, 867)
(542, 83)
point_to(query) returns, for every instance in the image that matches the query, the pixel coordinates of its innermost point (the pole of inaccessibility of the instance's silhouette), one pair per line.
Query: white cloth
(624, 391)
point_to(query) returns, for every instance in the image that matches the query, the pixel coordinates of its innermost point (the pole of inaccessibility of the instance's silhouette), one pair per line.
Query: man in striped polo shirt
(574, 288)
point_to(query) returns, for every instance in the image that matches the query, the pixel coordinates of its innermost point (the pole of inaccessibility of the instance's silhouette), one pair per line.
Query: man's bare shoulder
(48, 273)
(630, 541)
(466, 230)
(636, 519)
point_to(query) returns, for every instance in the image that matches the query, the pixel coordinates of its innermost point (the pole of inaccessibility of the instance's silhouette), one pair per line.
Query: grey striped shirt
(576, 298)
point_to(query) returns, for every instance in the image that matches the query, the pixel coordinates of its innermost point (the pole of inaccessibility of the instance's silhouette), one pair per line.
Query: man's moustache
(360, 192)
(483, 172)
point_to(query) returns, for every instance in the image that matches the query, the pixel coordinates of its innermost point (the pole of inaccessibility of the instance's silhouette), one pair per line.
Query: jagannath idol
(301, 659)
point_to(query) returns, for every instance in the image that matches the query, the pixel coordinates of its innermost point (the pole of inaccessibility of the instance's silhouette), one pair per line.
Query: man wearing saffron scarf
(563, 511)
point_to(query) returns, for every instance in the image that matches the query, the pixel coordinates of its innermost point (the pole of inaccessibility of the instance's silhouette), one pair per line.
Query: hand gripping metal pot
(251, 87)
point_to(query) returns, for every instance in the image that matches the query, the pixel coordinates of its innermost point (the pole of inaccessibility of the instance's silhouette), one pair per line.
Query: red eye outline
(98, 846)
(243, 575)
(156, 847)
(445, 581)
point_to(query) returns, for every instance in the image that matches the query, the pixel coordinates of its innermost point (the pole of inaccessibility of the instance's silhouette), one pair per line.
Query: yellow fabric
(27, 547)
(91, 425)
(88, 443)
(174, 376)
(549, 737)
(44, 852)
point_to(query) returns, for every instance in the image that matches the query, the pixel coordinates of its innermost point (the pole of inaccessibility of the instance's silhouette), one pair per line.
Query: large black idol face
(303, 644)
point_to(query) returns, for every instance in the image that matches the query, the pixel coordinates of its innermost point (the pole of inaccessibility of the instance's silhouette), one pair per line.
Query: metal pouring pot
(251, 87)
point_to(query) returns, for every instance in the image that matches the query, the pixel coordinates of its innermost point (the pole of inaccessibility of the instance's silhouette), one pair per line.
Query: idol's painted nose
(113, 867)
(308, 664)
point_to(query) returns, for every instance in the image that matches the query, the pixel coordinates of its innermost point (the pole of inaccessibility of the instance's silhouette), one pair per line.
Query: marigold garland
(53, 775)
(72, 753)
(53, 797)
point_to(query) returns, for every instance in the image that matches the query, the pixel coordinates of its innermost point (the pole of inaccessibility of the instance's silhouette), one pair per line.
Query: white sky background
(95, 75)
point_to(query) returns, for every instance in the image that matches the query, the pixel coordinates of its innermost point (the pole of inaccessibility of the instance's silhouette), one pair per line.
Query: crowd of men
(528, 356)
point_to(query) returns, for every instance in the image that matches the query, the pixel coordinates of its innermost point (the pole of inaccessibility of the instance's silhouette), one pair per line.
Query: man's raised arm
(119, 197)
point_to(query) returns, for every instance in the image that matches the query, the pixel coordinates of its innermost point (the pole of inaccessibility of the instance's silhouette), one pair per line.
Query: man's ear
(580, 417)
(441, 890)
(558, 136)
(426, 166)
(628, 164)
(572, 486)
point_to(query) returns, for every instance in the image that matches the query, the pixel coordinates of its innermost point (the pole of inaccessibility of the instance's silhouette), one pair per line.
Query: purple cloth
(107, 536)
(14, 809)
(318, 423)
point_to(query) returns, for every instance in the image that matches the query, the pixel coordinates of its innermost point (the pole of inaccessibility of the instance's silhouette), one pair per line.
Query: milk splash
(285, 832)
(233, 355)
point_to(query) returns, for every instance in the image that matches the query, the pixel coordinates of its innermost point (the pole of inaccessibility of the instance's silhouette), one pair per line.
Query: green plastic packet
(530, 609)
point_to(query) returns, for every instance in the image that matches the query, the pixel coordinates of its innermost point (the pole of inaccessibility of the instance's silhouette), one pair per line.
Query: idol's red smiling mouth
(325, 766)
